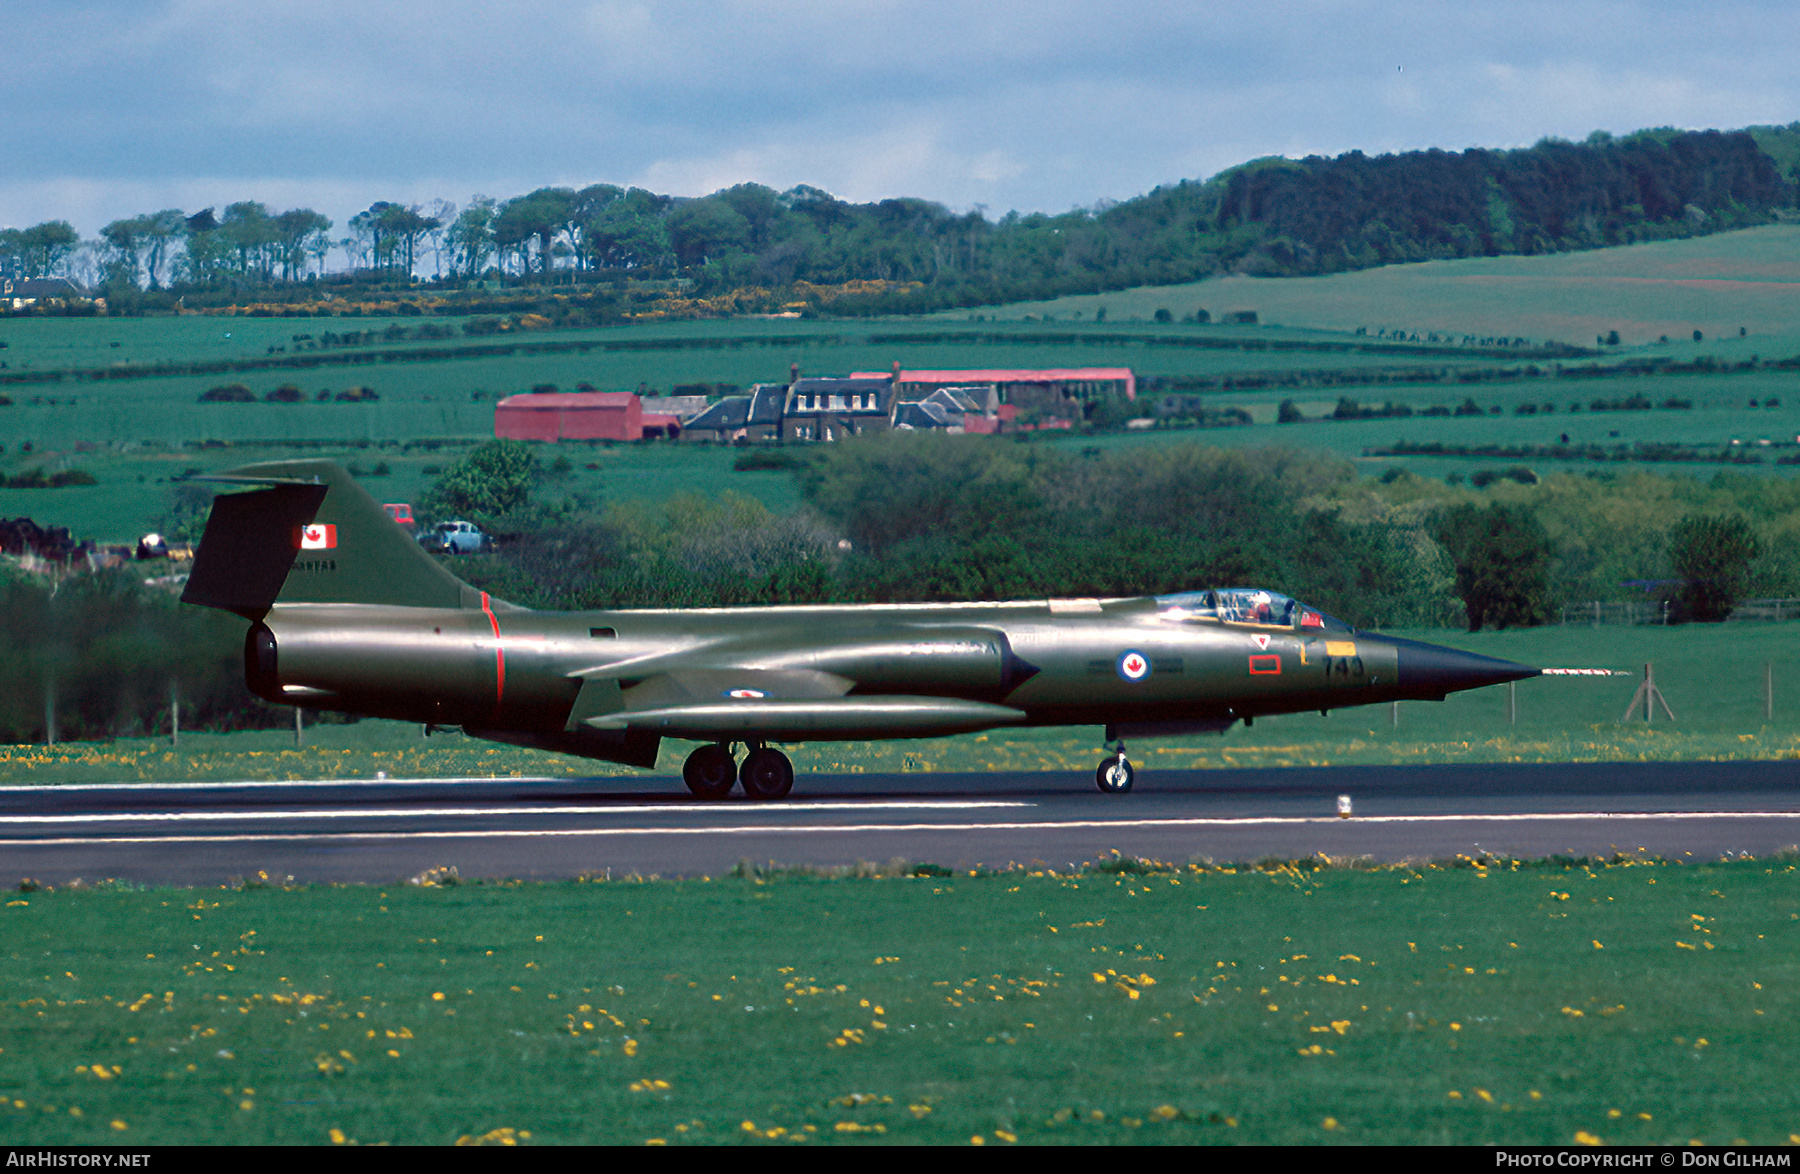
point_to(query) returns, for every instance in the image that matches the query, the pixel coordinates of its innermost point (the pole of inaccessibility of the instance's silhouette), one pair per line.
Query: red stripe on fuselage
(499, 653)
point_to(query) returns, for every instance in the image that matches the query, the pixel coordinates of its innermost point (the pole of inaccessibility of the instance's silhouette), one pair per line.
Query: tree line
(96, 656)
(904, 518)
(1354, 212)
(1271, 216)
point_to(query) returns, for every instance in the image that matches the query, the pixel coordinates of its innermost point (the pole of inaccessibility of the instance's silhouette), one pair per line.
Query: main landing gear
(1115, 774)
(710, 771)
(766, 774)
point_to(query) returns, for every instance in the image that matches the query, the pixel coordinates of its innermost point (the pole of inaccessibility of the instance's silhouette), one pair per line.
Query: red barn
(570, 415)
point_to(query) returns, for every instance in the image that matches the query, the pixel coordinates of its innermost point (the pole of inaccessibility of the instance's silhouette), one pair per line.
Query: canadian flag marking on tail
(318, 536)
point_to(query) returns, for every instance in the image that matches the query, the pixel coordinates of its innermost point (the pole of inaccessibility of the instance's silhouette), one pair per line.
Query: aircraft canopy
(1246, 605)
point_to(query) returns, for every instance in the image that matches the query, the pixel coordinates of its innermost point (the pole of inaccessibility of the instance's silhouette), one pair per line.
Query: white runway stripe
(814, 829)
(442, 812)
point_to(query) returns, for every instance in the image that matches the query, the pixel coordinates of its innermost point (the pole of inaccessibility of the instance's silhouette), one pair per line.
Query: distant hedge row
(287, 393)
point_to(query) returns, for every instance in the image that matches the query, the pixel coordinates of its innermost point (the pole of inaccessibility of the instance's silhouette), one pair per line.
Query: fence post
(1768, 690)
(298, 728)
(1512, 703)
(174, 713)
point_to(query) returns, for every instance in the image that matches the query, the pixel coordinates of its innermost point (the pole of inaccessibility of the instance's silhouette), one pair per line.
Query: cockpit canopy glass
(1246, 605)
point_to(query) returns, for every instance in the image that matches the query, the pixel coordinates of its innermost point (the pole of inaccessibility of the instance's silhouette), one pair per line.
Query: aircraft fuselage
(1115, 662)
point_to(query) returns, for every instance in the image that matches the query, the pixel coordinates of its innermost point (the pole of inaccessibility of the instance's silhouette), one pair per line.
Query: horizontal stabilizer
(836, 718)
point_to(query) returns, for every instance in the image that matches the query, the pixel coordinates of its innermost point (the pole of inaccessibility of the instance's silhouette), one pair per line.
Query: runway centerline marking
(802, 829)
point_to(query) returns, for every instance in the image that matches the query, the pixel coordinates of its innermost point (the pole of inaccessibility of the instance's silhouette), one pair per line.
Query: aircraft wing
(708, 705)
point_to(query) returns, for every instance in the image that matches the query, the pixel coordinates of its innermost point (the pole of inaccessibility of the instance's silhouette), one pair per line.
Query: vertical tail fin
(313, 536)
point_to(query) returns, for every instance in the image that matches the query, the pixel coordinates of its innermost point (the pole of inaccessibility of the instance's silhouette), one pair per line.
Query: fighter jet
(347, 613)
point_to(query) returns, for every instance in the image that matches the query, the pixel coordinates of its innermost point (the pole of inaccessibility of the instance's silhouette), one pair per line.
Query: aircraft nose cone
(1429, 671)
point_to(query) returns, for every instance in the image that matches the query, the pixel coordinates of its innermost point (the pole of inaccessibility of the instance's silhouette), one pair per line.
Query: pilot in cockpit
(1245, 605)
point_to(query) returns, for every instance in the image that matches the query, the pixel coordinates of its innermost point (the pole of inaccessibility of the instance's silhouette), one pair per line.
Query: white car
(455, 538)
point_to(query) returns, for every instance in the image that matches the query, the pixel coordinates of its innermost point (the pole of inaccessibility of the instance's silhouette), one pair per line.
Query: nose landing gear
(1115, 775)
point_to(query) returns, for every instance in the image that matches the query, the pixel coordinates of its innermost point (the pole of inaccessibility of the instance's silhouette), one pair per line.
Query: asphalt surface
(208, 833)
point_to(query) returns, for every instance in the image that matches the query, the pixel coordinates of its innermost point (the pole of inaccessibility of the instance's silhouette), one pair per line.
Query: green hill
(1747, 280)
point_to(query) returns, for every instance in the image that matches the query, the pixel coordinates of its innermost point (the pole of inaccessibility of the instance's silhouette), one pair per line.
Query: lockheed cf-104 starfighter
(347, 613)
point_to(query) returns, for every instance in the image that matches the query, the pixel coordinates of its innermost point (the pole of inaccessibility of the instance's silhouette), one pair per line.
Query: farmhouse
(752, 417)
(980, 401)
(827, 409)
(1049, 392)
(956, 409)
(31, 290)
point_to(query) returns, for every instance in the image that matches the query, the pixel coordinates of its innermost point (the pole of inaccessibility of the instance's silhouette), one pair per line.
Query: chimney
(793, 373)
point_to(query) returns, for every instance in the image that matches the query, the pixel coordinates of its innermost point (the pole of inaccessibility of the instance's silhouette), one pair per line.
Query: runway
(386, 831)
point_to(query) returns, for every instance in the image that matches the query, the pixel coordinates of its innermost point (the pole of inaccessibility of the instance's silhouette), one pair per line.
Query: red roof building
(576, 415)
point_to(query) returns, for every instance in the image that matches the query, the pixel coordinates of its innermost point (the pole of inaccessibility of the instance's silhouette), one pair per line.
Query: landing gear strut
(710, 771)
(1115, 774)
(766, 774)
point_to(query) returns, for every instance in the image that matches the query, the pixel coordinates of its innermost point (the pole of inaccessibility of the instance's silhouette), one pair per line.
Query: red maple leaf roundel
(1134, 666)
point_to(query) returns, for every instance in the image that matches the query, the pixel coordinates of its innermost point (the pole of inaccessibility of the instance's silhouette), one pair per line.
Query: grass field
(1712, 677)
(1748, 279)
(742, 350)
(1721, 414)
(1568, 1002)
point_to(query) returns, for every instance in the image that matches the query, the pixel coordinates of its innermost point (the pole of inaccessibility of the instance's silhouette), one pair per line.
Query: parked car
(401, 512)
(455, 538)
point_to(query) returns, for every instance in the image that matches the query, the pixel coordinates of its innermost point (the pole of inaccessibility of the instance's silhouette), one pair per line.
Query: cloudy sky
(116, 107)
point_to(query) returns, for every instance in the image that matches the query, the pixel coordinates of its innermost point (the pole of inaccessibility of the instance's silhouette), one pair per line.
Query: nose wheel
(1115, 775)
(710, 771)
